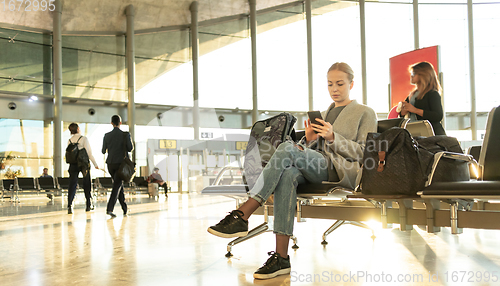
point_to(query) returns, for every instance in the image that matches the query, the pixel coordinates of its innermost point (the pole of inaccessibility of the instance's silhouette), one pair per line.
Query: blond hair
(427, 78)
(343, 67)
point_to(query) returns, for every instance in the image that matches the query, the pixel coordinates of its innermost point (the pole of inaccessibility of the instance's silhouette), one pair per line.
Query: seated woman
(331, 152)
(424, 102)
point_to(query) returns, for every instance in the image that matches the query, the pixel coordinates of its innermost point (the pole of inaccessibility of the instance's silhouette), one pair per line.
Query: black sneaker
(274, 266)
(231, 226)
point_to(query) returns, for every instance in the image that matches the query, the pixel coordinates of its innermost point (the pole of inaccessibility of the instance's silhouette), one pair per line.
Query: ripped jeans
(288, 167)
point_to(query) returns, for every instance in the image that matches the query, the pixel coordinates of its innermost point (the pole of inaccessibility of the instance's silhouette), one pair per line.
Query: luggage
(394, 163)
(391, 164)
(127, 170)
(448, 170)
(153, 190)
(72, 152)
(265, 137)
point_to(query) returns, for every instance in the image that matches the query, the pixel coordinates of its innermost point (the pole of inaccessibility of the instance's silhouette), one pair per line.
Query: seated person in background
(424, 102)
(155, 177)
(45, 173)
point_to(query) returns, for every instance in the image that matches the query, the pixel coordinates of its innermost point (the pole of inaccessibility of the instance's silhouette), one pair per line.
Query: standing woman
(330, 151)
(424, 102)
(74, 170)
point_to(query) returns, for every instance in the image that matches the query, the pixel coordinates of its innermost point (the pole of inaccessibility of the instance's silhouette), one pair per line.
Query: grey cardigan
(346, 151)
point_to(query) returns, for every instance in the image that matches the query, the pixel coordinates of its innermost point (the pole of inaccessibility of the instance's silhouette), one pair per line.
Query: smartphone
(313, 115)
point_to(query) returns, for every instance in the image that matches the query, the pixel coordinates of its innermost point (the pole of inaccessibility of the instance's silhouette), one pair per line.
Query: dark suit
(113, 144)
(433, 110)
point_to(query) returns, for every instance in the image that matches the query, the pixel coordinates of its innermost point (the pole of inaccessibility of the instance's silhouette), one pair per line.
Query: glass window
(174, 87)
(389, 32)
(436, 21)
(89, 74)
(25, 62)
(225, 67)
(442, 1)
(486, 55)
(30, 142)
(335, 38)
(163, 68)
(282, 61)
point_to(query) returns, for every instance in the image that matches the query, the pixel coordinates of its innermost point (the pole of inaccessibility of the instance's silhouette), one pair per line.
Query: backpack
(72, 152)
(265, 137)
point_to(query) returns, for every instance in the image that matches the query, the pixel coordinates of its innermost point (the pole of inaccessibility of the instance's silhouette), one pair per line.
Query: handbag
(126, 171)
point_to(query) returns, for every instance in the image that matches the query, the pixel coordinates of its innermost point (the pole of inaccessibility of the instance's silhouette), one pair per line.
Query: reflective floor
(165, 243)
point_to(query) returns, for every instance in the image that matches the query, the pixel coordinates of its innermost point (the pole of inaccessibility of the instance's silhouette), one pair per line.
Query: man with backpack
(117, 143)
(78, 154)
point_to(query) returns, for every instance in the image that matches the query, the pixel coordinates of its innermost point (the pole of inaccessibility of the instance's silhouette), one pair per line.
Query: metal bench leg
(454, 219)
(384, 205)
(299, 212)
(334, 226)
(403, 219)
(360, 224)
(430, 206)
(252, 233)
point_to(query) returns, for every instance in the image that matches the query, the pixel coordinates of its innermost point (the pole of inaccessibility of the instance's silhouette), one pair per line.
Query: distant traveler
(113, 143)
(45, 173)
(75, 168)
(155, 177)
(424, 102)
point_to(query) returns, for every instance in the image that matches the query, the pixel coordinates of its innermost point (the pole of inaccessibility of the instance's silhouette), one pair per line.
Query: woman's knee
(285, 146)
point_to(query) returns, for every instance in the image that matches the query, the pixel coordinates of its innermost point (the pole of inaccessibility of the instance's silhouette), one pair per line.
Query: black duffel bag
(391, 164)
(448, 170)
(394, 163)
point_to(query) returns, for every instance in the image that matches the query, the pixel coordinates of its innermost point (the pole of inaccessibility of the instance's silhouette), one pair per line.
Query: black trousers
(73, 181)
(117, 191)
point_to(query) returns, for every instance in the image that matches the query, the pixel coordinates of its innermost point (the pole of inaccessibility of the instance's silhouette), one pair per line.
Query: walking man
(114, 143)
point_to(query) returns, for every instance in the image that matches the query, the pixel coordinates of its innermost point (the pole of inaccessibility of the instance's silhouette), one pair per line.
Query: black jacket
(433, 110)
(113, 143)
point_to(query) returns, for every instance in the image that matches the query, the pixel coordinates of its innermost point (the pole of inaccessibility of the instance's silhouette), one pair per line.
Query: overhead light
(33, 98)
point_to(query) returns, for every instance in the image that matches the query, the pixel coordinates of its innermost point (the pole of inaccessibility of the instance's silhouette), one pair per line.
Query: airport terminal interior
(189, 79)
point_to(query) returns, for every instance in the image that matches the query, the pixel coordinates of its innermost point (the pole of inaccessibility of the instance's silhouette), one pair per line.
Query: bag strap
(124, 145)
(76, 140)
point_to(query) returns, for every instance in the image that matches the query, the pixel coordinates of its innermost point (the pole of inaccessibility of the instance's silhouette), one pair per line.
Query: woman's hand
(404, 108)
(408, 107)
(325, 130)
(310, 134)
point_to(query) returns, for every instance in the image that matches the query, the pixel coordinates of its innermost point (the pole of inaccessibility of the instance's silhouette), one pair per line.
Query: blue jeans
(288, 167)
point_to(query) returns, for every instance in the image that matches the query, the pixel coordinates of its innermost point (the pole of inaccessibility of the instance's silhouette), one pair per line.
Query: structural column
(253, 37)
(416, 33)
(194, 55)
(130, 58)
(57, 62)
(309, 52)
(363, 50)
(472, 71)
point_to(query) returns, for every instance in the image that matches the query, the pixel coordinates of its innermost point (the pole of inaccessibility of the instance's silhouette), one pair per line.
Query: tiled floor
(165, 243)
